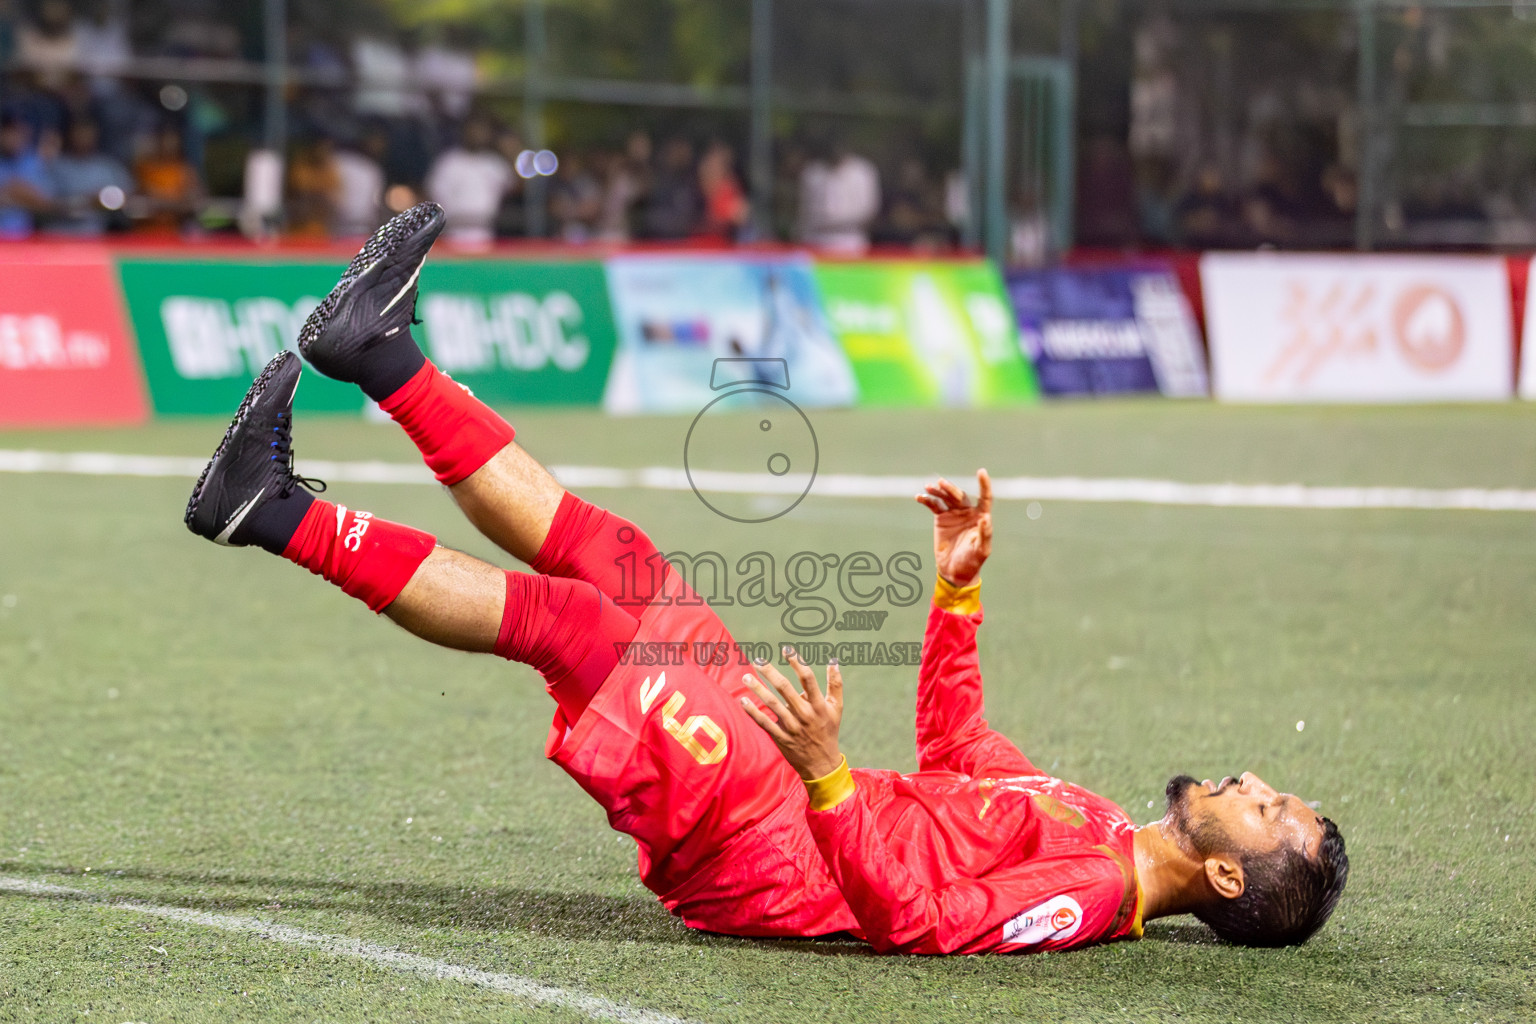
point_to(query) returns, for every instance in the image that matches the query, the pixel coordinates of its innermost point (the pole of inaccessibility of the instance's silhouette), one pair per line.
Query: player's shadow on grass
(537, 912)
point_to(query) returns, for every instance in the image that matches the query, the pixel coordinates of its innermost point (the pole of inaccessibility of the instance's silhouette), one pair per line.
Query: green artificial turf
(194, 727)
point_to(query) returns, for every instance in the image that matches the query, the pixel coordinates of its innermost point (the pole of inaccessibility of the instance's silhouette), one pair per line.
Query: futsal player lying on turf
(748, 819)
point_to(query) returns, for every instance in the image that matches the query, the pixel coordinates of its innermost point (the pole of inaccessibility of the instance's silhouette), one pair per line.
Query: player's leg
(249, 495)
(361, 333)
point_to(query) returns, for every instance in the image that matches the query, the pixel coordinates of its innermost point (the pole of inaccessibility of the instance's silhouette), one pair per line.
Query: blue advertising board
(1094, 331)
(758, 316)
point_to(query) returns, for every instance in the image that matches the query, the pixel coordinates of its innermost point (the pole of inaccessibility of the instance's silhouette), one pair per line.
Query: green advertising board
(927, 333)
(512, 331)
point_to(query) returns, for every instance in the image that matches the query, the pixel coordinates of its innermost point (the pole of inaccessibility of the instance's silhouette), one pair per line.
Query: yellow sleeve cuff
(831, 789)
(960, 600)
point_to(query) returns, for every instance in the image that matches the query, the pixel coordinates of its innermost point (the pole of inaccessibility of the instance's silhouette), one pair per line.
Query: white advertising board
(1298, 327)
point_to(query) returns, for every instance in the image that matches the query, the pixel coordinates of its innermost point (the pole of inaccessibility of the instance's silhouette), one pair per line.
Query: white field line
(525, 989)
(842, 485)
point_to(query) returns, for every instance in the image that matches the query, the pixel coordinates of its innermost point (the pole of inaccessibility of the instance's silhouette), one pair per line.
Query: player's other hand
(962, 532)
(803, 724)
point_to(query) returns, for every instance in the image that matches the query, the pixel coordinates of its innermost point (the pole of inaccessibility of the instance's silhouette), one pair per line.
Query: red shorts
(718, 815)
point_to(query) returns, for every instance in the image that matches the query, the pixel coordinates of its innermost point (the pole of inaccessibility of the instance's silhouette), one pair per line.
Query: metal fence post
(995, 221)
(1365, 102)
(535, 195)
(275, 72)
(761, 127)
(1066, 133)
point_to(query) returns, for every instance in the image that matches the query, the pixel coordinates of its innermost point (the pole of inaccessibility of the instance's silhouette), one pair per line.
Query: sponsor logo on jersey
(1055, 919)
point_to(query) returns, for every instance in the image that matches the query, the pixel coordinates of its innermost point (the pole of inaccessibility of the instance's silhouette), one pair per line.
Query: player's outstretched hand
(803, 725)
(962, 532)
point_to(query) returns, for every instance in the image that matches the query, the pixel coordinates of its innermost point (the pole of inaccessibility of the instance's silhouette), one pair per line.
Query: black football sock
(273, 523)
(389, 364)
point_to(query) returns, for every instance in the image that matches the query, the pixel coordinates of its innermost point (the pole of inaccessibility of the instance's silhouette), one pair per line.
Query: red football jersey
(976, 851)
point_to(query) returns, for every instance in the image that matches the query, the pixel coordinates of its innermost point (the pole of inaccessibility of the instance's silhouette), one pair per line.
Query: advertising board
(677, 316)
(512, 331)
(1358, 328)
(1528, 339)
(66, 357)
(926, 333)
(1108, 330)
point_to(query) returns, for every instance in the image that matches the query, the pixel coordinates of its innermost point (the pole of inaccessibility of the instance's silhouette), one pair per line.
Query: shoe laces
(282, 451)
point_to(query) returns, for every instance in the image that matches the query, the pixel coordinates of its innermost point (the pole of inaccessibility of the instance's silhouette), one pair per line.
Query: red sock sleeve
(371, 559)
(455, 431)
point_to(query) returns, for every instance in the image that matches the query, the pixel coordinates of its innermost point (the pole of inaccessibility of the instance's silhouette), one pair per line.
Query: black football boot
(361, 333)
(248, 493)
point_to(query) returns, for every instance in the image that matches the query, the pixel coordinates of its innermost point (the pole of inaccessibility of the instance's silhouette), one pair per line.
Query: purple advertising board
(1097, 331)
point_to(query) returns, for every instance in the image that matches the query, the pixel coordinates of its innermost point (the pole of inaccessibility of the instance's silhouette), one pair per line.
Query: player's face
(1241, 815)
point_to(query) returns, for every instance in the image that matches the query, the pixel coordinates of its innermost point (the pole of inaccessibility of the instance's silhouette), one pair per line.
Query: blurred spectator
(42, 110)
(198, 31)
(469, 182)
(49, 45)
(672, 206)
(625, 185)
(813, 195)
(261, 205)
(102, 46)
(912, 215)
(171, 190)
(313, 182)
(725, 204)
(358, 202)
(7, 30)
(512, 213)
(1106, 194)
(849, 201)
(786, 194)
(1342, 195)
(385, 82)
(25, 188)
(1272, 209)
(1205, 218)
(1029, 229)
(576, 201)
(89, 187)
(957, 201)
(446, 72)
(1157, 199)
(1154, 94)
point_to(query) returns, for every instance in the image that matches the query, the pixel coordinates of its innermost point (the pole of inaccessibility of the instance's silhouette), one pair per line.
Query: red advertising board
(66, 357)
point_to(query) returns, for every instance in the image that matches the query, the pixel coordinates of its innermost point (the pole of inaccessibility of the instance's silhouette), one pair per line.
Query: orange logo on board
(1063, 919)
(1428, 327)
(1339, 322)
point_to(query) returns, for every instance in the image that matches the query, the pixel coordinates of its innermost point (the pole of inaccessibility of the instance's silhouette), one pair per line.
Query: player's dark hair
(1286, 895)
